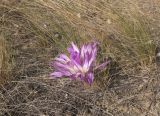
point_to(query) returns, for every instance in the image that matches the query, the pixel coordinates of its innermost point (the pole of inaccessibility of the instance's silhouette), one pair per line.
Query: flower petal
(102, 66)
(73, 48)
(56, 74)
(65, 57)
(90, 78)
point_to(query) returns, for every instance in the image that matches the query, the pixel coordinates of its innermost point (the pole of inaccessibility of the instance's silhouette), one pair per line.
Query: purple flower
(79, 65)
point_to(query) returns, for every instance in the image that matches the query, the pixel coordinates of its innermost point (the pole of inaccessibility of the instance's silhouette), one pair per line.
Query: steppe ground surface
(33, 32)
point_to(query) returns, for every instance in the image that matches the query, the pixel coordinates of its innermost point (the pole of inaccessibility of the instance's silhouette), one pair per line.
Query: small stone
(109, 21)
(66, 96)
(79, 15)
(158, 55)
(45, 26)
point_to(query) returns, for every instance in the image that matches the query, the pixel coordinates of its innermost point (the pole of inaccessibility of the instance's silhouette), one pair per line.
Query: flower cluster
(79, 65)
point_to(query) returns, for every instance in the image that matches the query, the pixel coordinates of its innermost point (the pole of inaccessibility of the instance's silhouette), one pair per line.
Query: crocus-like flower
(79, 65)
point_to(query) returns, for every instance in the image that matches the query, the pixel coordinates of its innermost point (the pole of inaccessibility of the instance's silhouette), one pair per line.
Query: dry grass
(5, 63)
(36, 31)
